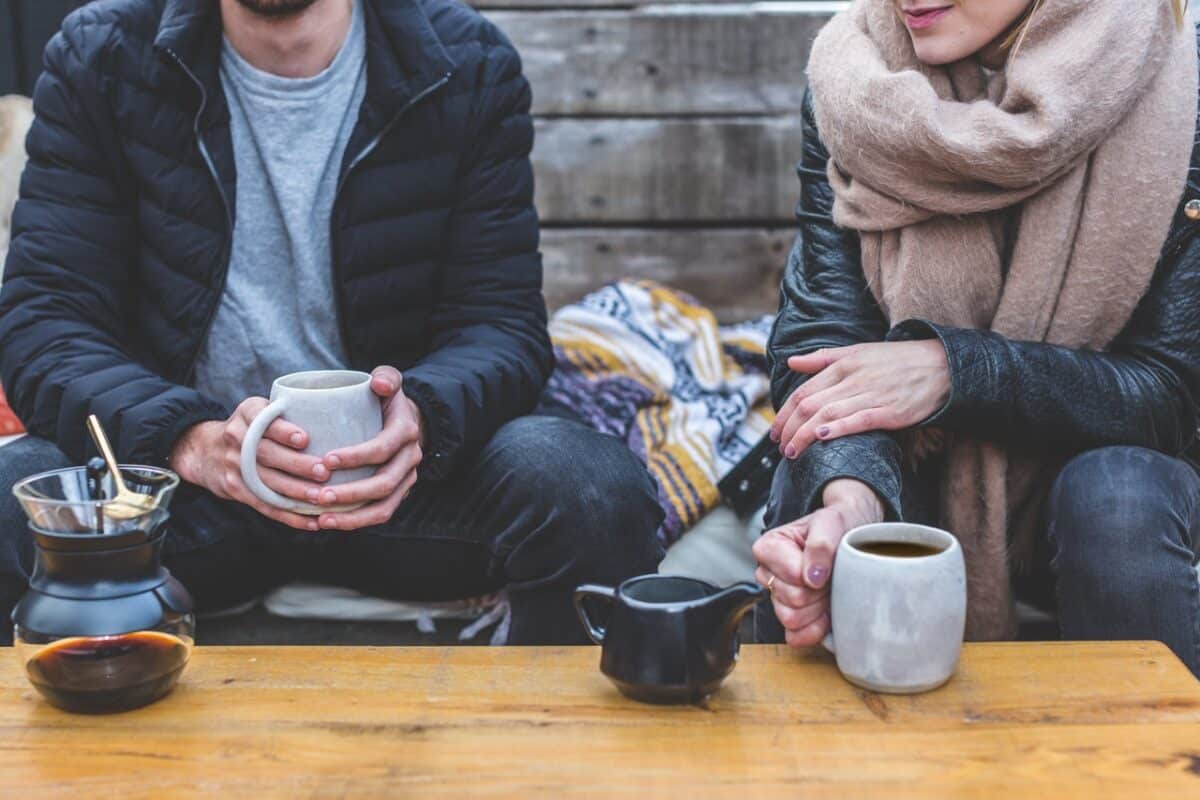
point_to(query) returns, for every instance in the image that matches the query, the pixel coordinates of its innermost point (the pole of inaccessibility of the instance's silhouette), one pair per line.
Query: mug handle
(582, 595)
(249, 458)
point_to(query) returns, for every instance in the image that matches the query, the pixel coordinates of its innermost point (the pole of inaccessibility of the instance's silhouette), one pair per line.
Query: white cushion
(716, 549)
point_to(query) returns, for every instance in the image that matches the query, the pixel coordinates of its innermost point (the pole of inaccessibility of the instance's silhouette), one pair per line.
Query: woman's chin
(934, 52)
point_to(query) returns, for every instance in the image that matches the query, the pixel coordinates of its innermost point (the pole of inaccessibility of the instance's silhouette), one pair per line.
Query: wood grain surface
(721, 171)
(665, 61)
(735, 272)
(1018, 720)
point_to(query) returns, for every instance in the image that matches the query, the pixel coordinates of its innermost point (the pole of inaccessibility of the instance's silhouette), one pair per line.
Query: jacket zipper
(366, 151)
(228, 241)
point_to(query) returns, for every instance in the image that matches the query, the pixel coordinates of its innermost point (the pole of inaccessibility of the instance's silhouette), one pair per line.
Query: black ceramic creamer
(666, 639)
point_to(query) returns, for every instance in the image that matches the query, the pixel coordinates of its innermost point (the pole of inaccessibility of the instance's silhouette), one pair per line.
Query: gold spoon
(127, 504)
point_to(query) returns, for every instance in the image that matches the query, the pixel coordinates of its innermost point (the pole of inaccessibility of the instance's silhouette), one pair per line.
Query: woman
(991, 320)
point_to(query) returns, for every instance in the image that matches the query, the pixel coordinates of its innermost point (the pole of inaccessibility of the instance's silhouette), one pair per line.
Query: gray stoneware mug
(897, 622)
(336, 408)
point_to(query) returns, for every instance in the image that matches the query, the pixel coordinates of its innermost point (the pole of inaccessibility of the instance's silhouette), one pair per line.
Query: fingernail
(297, 439)
(774, 436)
(823, 431)
(790, 451)
(334, 462)
(328, 521)
(312, 525)
(817, 576)
(313, 495)
(320, 471)
(328, 496)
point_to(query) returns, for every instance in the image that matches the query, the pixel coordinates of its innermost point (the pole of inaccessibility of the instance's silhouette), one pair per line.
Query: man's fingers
(284, 459)
(249, 408)
(236, 490)
(396, 434)
(376, 513)
(286, 434)
(280, 430)
(386, 381)
(288, 485)
(824, 535)
(811, 635)
(377, 486)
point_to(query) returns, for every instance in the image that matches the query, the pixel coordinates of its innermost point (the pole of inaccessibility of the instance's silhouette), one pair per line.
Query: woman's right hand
(800, 557)
(209, 455)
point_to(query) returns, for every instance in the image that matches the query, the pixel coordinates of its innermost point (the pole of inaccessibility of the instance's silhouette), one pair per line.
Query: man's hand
(397, 452)
(886, 386)
(800, 557)
(209, 455)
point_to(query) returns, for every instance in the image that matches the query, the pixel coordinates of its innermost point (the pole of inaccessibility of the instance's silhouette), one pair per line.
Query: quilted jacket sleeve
(825, 302)
(491, 351)
(68, 273)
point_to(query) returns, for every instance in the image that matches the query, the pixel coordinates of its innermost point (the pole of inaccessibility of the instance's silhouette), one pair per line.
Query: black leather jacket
(1039, 397)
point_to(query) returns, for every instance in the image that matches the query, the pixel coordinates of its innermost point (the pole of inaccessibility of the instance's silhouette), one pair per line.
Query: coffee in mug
(900, 549)
(336, 408)
(898, 607)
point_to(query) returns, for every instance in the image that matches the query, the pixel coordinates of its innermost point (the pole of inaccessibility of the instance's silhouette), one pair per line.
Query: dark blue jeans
(548, 504)
(1123, 525)
(1123, 537)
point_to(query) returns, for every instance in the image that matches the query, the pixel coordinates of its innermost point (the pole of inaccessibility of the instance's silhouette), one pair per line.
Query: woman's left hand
(877, 386)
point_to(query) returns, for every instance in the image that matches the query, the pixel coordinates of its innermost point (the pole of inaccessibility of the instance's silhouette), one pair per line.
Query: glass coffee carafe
(104, 626)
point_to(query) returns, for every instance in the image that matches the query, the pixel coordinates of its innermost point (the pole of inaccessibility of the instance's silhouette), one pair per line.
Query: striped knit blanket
(651, 365)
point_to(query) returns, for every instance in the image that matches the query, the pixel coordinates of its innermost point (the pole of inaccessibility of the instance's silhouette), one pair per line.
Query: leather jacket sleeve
(825, 302)
(1141, 391)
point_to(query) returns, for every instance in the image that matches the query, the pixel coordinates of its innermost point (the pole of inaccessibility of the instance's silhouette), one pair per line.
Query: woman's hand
(396, 451)
(799, 556)
(884, 386)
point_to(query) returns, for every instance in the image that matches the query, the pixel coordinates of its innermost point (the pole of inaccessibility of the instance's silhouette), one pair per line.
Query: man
(223, 191)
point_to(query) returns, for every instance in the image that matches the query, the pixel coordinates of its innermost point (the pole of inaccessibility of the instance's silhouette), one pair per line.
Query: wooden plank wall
(666, 139)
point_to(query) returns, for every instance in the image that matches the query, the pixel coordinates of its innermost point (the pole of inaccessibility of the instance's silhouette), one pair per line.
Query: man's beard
(276, 8)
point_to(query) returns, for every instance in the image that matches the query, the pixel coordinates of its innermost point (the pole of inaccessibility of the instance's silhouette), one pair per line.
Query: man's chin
(275, 8)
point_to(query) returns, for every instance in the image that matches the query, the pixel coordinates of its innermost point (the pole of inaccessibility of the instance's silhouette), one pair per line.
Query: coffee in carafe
(97, 674)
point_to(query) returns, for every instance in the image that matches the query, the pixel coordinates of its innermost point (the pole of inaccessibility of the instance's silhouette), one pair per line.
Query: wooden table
(1018, 720)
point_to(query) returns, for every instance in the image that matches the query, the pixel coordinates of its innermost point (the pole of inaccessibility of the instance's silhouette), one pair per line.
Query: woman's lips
(919, 18)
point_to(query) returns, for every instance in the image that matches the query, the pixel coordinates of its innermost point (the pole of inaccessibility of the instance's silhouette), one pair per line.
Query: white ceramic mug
(336, 408)
(897, 622)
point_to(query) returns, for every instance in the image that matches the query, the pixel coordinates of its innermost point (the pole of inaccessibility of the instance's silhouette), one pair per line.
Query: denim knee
(577, 484)
(1115, 506)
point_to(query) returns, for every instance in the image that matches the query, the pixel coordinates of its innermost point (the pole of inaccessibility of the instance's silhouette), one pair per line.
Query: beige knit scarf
(1085, 137)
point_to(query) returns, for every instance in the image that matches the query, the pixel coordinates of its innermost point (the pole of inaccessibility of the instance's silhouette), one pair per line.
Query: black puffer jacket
(1142, 391)
(121, 235)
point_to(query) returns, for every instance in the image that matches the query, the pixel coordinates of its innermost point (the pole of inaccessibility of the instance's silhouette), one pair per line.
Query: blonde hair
(1015, 37)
